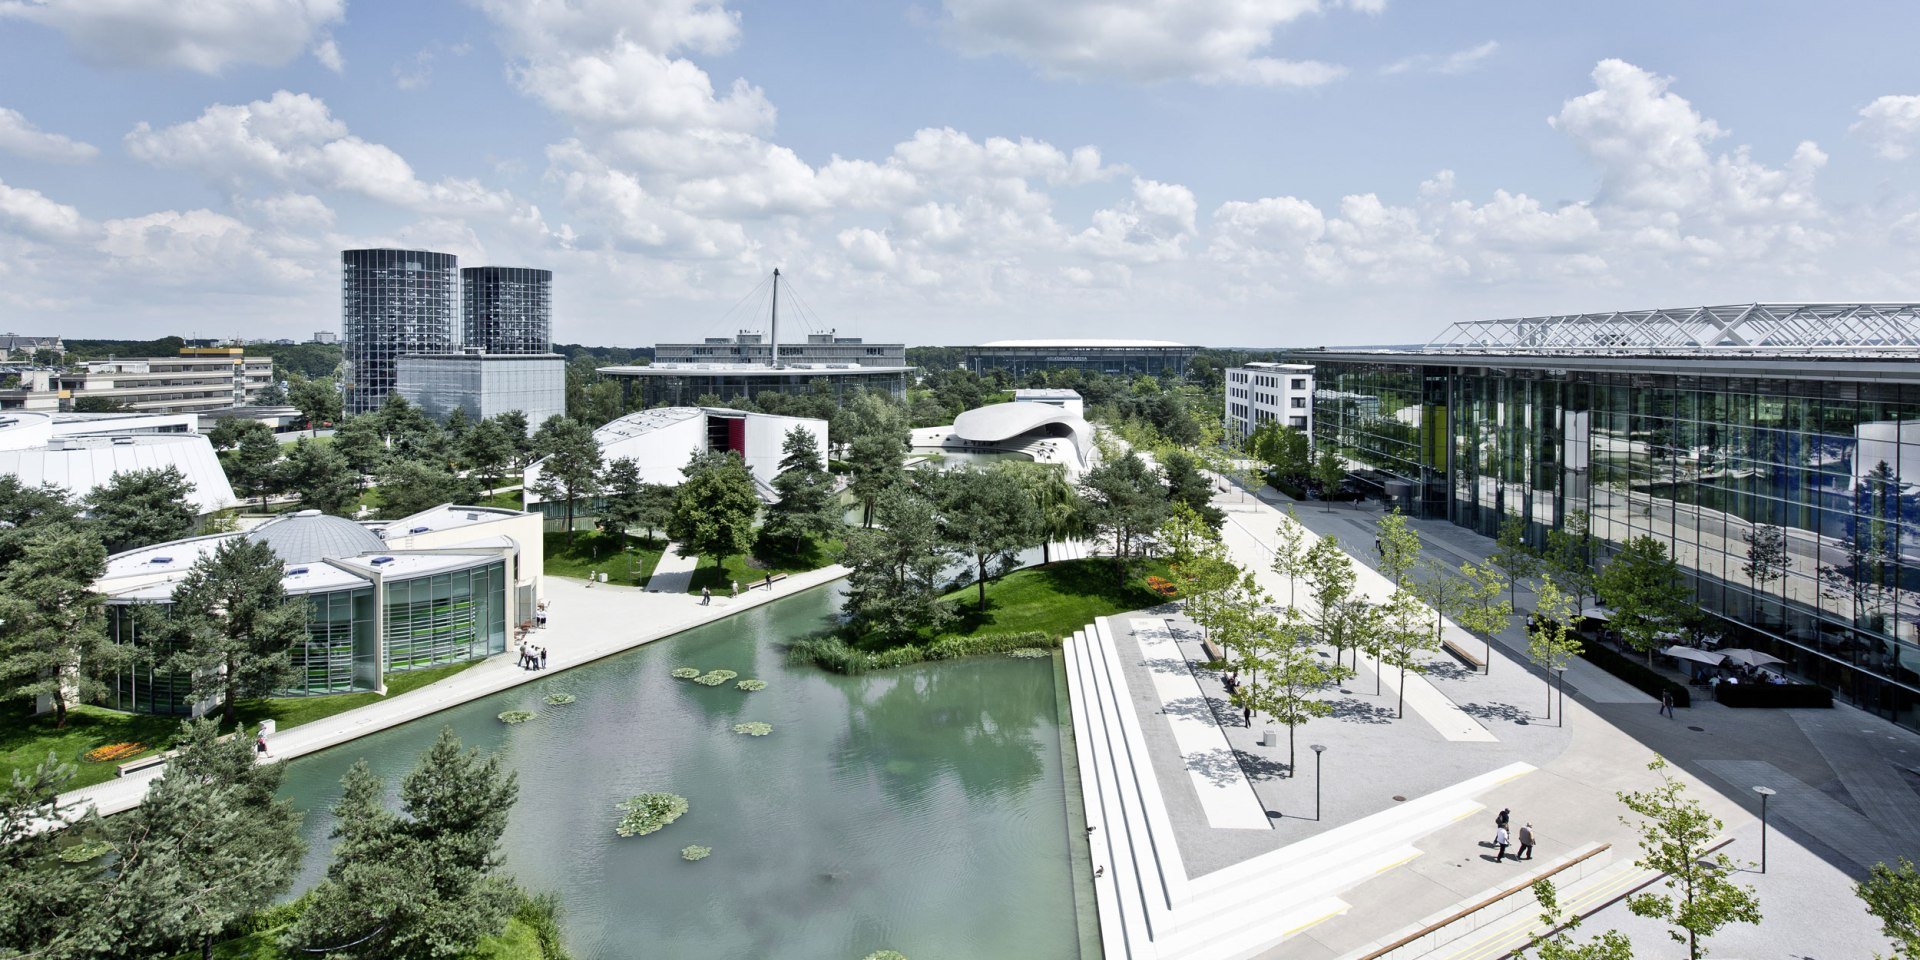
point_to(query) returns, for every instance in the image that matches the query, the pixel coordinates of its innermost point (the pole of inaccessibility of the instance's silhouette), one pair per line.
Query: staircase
(1148, 906)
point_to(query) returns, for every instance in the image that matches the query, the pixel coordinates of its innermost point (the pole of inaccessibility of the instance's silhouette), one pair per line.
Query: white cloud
(1208, 41)
(628, 85)
(1891, 125)
(293, 138)
(1457, 62)
(32, 214)
(19, 136)
(203, 36)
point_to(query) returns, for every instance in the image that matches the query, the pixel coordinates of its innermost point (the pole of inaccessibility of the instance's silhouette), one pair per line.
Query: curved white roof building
(1041, 431)
(34, 449)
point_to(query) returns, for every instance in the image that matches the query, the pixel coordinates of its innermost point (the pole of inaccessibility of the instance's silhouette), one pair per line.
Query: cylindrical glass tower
(393, 303)
(508, 309)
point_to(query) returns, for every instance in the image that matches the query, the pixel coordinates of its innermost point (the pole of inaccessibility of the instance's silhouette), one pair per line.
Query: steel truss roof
(1855, 329)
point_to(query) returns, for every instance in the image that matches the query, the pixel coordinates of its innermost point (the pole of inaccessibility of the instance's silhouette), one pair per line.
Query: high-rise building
(508, 309)
(1262, 392)
(393, 303)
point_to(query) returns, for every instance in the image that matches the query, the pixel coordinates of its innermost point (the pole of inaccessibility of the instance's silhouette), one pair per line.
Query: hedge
(1648, 680)
(832, 653)
(1772, 695)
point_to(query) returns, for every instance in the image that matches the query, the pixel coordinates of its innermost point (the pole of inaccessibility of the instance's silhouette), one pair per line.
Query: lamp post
(1318, 749)
(1560, 676)
(1764, 793)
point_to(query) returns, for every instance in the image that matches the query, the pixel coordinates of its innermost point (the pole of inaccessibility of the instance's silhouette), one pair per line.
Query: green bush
(1648, 680)
(541, 914)
(834, 654)
(517, 716)
(649, 812)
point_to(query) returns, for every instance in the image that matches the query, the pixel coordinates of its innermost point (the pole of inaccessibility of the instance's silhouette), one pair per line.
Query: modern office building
(484, 385)
(1042, 432)
(443, 586)
(755, 348)
(78, 452)
(1268, 393)
(1068, 400)
(326, 336)
(200, 380)
(685, 384)
(1118, 357)
(393, 303)
(507, 309)
(1766, 445)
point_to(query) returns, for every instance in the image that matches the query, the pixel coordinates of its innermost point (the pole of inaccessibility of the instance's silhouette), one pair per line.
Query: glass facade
(1786, 500)
(1119, 360)
(338, 655)
(392, 303)
(143, 687)
(663, 387)
(446, 617)
(508, 309)
(485, 385)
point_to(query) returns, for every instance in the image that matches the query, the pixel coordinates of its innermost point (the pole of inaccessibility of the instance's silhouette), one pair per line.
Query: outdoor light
(1318, 749)
(1764, 793)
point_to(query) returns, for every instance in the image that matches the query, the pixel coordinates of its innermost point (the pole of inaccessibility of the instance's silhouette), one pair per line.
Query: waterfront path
(585, 622)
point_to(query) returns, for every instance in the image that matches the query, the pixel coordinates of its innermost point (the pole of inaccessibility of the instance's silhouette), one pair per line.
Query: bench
(1212, 651)
(776, 578)
(1473, 658)
(135, 766)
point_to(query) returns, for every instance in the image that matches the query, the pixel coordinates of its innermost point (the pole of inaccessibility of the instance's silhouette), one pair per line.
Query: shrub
(835, 655)
(517, 716)
(752, 685)
(112, 752)
(541, 914)
(85, 850)
(1029, 653)
(649, 812)
(685, 673)
(559, 699)
(714, 678)
(1648, 680)
(753, 728)
(695, 852)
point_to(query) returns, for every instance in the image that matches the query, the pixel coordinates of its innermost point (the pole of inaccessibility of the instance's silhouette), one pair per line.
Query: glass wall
(338, 651)
(446, 617)
(142, 687)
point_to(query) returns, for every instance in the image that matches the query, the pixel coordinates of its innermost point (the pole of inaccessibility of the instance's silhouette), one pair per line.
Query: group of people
(1501, 839)
(532, 657)
(1232, 682)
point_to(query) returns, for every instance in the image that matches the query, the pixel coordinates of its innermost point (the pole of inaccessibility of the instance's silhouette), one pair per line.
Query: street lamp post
(1560, 675)
(1764, 793)
(1318, 749)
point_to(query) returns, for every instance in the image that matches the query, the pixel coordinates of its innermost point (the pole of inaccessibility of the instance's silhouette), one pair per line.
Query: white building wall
(1262, 392)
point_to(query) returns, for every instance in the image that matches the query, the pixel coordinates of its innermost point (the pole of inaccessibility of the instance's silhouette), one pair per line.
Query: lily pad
(559, 699)
(752, 685)
(517, 716)
(695, 852)
(753, 728)
(685, 673)
(649, 812)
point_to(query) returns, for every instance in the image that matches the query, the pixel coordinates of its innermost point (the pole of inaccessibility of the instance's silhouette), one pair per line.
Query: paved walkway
(673, 573)
(585, 622)
(1225, 795)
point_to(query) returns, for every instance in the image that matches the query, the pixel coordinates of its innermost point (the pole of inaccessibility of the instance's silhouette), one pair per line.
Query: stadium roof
(1081, 344)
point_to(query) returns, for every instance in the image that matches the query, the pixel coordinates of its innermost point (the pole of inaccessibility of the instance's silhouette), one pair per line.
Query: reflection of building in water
(1702, 428)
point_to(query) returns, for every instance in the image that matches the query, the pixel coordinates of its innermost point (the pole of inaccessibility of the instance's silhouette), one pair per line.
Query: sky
(1223, 172)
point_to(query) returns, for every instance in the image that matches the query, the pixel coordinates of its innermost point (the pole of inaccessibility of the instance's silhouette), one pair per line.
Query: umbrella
(1597, 613)
(1752, 658)
(1695, 654)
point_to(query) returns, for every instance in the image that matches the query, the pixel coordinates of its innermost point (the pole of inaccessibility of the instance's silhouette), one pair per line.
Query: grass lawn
(1055, 599)
(325, 441)
(750, 570)
(25, 740)
(507, 499)
(593, 550)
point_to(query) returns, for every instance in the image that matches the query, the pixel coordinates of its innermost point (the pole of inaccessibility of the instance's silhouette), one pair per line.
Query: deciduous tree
(1290, 551)
(1892, 896)
(1642, 584)
(986, 515)
(1404, 637)
(1558, 943)
(1399, 546)
(714, 507)
(1551, 642)
(1675, 831)
(1569, 556)
(1513, 556)
(1124, 500)
(1329, 471)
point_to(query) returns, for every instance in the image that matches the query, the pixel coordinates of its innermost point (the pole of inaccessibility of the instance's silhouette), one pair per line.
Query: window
(1299, 403)
(1299, 383)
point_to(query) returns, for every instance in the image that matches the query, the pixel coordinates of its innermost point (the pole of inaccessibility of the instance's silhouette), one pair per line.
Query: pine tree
(1125, 502)
(569, 464)
(321, 476)
(253, 460)
(487, 450)
(236, 625)
(807, 511)
(54, 642)
(986, 514)
(140, 507)
(42, 899)
(897, 568)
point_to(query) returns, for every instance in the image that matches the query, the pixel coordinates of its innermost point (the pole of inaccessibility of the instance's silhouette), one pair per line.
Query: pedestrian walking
(1526, 843)
(1500, 841)
(736, 588)
(1666, 703)
(260, 745)
(706, 596)
(769, 582)
(1246, 714)
(543, 658)
(1505, 817)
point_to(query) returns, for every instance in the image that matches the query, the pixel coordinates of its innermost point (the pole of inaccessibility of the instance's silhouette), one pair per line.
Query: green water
(920, 810)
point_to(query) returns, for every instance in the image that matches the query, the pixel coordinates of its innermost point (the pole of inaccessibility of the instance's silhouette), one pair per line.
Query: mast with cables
(774, 334)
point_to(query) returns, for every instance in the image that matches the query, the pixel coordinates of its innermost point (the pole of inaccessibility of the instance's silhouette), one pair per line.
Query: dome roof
(310, 535)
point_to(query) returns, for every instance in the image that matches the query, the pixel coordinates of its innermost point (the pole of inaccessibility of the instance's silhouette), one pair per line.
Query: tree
(622, 491)
(358, 439)
(569, 464)
(26, 510)
(421, 884)
(1290, 551)
(986, 514)
(1482, 609)
(236, 625)
(53, 639)
(1766, 555)
(808, 510)
(1294, 675)
(487, 449)
(1569, 556)
(140, 507)
(410, 486)
(43, 900)
(252, 459)
(1287, 451)
(1331, 584)
(1551, 642)
(1892, 896)
(1061, 515)
(1187, 485)
(1399, 546)
(209, 846)
(409, 432)
(457, 425)
(514, 424)
(1442, 590)
(1204, 573)
(1329, 471)
(897, 569)
(1245, 624)
(875, 428)
(1402, 637)
(1558, 944)
(1513, 556)
(1643, 586)
(714, 508)
(318, 400)
(1124, 502)
(321, 476)
(1675, 832)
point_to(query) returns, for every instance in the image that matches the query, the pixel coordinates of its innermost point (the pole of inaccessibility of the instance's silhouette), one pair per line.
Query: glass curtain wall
(143, 687)
(393, 303)
(446, 618)
(340, 638)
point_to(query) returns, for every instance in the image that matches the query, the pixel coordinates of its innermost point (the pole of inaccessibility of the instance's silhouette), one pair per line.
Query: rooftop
(1768, 329)
(1082, 343)
(446, 516)
(747, 369)
(310, 536)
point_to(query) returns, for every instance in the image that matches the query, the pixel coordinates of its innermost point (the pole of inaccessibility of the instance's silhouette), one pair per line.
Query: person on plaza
(1231, 682)
(769, 581)
(523, 656)
(1666, 703)
(543, 658)
(1246, 714)
(706, 596)
(260, 745)
(736, 588)
(1504, 817)
(1526, 843)
(1500, 841)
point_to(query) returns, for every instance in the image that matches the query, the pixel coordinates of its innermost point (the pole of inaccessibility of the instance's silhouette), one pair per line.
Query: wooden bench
(135, 766)
(1473, 658)
(776, 578)
(1212, 650)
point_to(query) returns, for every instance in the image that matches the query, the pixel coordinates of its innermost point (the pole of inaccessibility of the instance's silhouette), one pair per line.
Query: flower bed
(112, 752)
